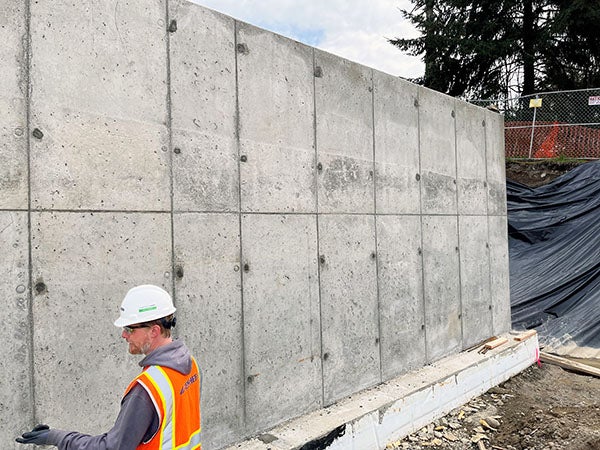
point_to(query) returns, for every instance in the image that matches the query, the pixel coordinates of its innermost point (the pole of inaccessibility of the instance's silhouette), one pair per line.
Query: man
(161, 407)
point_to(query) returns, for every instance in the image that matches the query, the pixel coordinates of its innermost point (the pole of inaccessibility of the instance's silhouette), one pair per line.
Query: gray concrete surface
(441, 286)
(376, 418)
(210, 320)
(499, 284)
(203, 110)
(16, 396)
(321, 225)
(13, 105)
(471, 162)
(351, 354)
(401, 303)
(396, 125)
(98, 96)
(344, 134)
(496, 171)
(81, 265)
(276, 116)
(282, 341)
(476, 302)
(437, 145)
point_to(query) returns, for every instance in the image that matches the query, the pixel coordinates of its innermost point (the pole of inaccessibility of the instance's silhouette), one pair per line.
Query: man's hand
(39, 435)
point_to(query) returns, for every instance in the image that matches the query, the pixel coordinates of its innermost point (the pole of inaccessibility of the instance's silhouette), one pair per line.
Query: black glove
(39, 435)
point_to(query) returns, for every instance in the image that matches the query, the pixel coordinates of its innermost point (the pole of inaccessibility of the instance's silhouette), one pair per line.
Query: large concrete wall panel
(276, 104)
(441, 288)
(438, 153)
(13, 112)
(496, 170)
(281, 317)
(203, 110)
(400, 274)
(475, 279)
(209, 317)
(344, 105)
(499, 280)
(471, 159)
(350, 324)
(82, 266)
(16, 401)
(170, 144)
(98, 103)
(396, 121)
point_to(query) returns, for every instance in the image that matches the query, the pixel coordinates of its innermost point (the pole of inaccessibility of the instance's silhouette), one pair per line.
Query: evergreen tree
(572, 59)
(494, 49)
(462, 49)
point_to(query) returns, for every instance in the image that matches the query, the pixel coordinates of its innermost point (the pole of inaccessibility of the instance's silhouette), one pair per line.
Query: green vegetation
(499, 48)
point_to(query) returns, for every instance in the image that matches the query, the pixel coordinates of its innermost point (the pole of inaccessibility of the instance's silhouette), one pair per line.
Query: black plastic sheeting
(554, 247)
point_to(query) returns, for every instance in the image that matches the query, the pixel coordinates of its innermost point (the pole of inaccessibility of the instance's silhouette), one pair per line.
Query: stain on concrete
(325, 441)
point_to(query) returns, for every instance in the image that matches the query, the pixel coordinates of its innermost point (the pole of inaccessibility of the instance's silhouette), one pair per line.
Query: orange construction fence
(551, 140)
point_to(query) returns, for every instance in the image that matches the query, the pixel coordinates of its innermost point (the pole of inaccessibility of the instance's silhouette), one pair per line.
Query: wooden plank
(569, 365)
(492, 344)
(525, 335)
(479, 344)
(496, 343)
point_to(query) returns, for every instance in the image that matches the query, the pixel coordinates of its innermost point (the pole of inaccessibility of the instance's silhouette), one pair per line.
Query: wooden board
(569, 365)
(496, 343)
(493, 344)
(525, 335)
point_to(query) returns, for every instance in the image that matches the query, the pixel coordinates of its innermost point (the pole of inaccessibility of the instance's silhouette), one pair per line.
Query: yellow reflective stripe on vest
(193, 443)
(163, 385)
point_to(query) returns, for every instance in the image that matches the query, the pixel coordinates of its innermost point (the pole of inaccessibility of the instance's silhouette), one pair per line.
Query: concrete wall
(322, 226)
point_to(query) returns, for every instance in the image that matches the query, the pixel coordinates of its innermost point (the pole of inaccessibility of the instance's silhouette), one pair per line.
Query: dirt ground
(537, 173)
(544, 407)
(541, 408)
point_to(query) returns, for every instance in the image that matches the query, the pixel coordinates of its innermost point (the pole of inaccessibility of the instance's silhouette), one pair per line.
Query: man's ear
(155, 330)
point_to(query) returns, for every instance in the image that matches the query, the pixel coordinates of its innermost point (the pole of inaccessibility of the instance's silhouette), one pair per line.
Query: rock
(450, 437)
(492, 422)
(498, 390)
(478, 437)
(486, 425)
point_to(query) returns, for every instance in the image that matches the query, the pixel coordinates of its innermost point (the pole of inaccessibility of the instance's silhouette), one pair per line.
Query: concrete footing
(390, 411)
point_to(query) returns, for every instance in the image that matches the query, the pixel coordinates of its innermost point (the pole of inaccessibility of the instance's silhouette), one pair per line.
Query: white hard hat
(143, 304)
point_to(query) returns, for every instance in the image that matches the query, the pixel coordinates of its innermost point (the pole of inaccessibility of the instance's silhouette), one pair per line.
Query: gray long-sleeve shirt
(137, 420)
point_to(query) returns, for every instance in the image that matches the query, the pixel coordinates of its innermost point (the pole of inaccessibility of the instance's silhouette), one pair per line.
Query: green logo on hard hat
(147, 308)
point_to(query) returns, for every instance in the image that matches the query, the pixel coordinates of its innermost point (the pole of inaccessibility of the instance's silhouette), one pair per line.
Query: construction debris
(526, 412)
(569, 365)
(493, 344)
(525, 335)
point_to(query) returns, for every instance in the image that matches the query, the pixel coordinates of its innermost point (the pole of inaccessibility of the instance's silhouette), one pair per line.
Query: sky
(353, 29)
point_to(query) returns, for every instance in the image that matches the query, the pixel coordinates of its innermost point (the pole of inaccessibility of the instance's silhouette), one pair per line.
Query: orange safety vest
(176, 398)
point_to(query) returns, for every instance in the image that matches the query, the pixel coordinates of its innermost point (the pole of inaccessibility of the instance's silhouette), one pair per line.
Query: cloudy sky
(354, 29)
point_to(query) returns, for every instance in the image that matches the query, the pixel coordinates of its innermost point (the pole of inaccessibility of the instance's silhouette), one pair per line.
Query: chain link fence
(561, 124)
